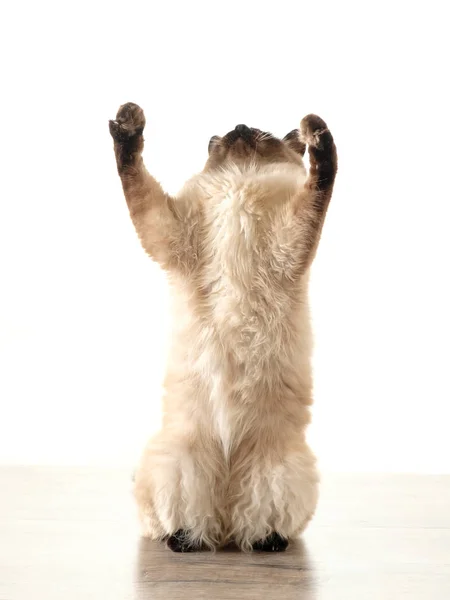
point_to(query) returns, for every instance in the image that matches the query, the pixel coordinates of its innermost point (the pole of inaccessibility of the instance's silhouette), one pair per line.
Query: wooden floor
(70, 534)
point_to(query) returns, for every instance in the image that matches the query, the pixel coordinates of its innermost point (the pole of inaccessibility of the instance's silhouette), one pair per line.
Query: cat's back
(245, 221)
(244, 299)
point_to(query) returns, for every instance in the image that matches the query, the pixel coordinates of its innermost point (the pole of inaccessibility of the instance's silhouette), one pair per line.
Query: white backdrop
(83, 312)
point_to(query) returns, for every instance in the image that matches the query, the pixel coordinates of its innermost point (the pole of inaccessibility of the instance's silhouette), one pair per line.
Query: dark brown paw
(314, 132)
(180, 542)
(126, 131)
(129, 122)
(273, 543)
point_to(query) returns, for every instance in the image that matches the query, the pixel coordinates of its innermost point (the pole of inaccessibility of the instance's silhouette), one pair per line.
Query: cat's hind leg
(179, 492)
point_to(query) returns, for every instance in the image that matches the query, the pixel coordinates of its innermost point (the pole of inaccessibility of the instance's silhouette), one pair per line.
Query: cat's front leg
(165, 225)
(315, 134)
(313, 200)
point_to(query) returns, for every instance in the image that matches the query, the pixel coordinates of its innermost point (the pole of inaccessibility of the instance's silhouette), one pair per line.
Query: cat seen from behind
(231, 463)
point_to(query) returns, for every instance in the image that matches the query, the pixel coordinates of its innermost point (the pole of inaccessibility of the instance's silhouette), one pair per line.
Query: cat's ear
(214, 141)
(292, 139)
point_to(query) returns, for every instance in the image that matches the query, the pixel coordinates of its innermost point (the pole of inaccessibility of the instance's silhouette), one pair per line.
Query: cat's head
(246, 145)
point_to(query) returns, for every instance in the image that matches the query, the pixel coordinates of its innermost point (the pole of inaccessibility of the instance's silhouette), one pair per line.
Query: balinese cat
(231, 463)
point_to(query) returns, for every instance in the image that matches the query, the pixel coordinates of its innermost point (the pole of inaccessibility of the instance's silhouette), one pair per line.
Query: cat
(230, 463)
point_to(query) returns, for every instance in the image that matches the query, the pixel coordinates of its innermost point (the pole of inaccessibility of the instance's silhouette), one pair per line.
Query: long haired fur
(231, 462)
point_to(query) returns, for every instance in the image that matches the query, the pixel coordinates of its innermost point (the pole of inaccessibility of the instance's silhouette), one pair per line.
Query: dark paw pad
(314, 132)
(180, 542)
(129, 122)
(273, 543)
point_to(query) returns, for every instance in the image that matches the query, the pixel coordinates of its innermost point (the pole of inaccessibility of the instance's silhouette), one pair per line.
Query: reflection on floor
(71, 534)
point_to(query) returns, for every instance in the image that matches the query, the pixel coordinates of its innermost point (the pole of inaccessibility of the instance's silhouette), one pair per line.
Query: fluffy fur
(231, 462)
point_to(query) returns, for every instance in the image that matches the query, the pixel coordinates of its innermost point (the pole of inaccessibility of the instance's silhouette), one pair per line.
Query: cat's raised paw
(273, 543)
(129, 122)
(314, 132)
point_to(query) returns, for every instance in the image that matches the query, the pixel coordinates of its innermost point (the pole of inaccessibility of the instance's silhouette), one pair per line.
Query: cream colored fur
(231, 461)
